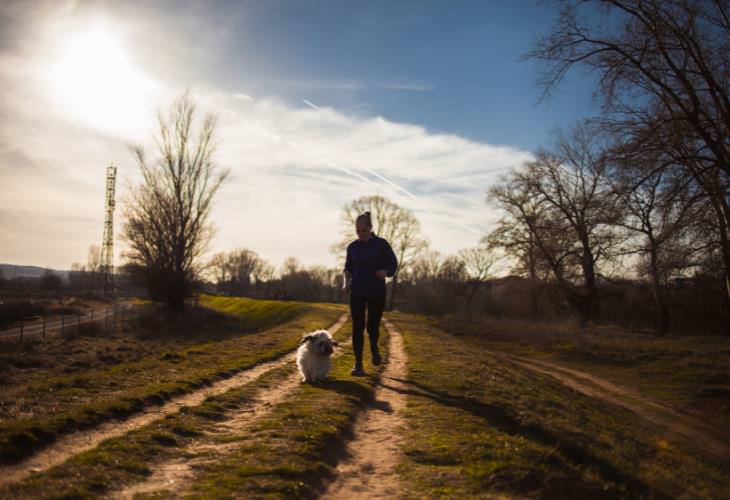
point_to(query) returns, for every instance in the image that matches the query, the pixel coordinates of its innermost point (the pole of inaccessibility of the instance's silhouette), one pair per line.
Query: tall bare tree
(563, 200)
(396, 224)
(660, 210)
(514, 233)
(167, 224)
(663, 70)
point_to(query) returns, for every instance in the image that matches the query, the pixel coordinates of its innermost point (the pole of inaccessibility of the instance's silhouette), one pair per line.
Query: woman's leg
(375, 312)
(357, 313)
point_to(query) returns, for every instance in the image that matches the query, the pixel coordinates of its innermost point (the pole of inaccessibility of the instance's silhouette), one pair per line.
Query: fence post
(22, 326)
(44, 326)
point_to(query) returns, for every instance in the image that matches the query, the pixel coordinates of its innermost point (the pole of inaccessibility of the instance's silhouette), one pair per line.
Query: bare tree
(87, 276)
(564, 202)
(236, 271)
(478, 263)
(396, 224)
(660, 210)
(663, 70)
(218, 268)
(167, 223)
(424, 268)
(514, 233)
(291, 266)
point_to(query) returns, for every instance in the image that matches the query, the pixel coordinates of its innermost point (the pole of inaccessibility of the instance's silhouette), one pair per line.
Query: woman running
(369, 260)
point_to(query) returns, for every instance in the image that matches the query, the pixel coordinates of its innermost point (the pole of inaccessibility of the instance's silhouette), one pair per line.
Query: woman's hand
(381, 274)
(347, 282)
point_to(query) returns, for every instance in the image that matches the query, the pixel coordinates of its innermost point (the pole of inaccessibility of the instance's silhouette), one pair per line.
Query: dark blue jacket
(364, 259)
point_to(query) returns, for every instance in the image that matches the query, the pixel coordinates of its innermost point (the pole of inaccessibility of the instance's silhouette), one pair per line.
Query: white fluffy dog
(314, 356)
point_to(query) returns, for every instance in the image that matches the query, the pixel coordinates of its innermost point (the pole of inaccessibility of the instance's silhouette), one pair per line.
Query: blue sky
(450, 66)
(319, 103)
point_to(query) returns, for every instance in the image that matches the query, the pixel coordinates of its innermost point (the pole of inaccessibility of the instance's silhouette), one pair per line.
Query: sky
(319, 103)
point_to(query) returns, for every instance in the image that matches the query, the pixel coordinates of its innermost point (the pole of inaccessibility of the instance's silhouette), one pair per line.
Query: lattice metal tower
(107, 242)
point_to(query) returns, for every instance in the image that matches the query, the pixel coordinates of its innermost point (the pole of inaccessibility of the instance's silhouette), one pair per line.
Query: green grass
(64, 403)
(256, 314)
(293, 451)
(290, 452)
(131, 458)
(481, 426)
(689, 373)
(477, 425)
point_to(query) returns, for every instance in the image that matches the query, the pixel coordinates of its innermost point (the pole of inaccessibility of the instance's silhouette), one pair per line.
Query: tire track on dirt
(677, 423)
(172, 476)
(77, 442)
(369, 471)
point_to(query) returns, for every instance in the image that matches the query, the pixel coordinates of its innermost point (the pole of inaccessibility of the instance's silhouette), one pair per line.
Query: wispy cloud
(352, 84)
(327, 159)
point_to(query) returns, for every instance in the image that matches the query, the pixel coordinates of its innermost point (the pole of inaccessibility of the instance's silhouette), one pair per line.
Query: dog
(314, 356)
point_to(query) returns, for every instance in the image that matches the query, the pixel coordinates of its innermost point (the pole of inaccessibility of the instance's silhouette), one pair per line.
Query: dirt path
(369, 471)
(171, 477)
(678, 424)
(72, 444)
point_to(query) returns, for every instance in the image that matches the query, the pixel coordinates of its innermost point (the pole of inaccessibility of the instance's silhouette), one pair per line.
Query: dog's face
(320, 342)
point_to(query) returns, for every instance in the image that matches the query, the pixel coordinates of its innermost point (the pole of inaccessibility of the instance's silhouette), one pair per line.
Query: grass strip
(133, 457)
(686, 372)
(478, 425)
(125, 389)
(293, 452)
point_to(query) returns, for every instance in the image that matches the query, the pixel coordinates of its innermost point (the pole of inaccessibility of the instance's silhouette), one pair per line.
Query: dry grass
(690, 373)
(288, 453)
(113, 377)
(482, 426)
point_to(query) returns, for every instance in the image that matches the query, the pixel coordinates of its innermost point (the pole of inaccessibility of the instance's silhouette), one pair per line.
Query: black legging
(375, 306)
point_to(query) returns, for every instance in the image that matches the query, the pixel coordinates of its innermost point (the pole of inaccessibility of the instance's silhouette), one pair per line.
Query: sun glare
(93, 81)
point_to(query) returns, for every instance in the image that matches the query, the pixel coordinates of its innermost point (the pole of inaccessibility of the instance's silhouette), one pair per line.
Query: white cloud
(292, 171)
(291, 177)
(293, 168)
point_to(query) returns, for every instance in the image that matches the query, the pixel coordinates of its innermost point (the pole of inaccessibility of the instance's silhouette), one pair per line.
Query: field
(213, 407)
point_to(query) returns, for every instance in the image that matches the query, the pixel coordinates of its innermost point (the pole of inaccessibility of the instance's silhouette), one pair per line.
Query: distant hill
(11, 271)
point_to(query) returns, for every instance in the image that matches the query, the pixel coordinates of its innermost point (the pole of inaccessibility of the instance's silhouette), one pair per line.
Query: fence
(109, 318)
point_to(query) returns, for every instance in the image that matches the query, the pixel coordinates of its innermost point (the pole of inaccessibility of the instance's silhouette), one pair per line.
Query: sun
(93, 81)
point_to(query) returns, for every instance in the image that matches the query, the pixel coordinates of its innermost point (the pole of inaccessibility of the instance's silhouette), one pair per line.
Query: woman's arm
(347, 274)
(390, 262)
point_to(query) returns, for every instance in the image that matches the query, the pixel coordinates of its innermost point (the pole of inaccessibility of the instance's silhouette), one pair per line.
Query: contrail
(309, 103)
(384, 179)
(388, 181)
(296, 147)
(370, 170)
